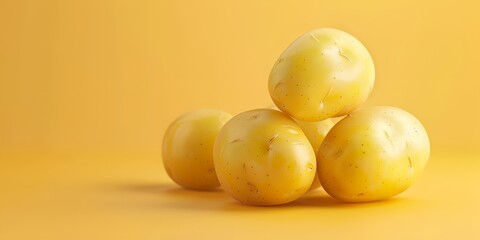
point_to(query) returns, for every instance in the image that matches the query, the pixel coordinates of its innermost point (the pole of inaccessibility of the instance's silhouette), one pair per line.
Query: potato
(372, 154)
(262, 157)
(325, 73)
(315, 132)
(188, 148)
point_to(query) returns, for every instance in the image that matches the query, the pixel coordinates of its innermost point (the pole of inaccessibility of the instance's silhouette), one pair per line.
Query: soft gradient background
(111, 75)
(87, 89)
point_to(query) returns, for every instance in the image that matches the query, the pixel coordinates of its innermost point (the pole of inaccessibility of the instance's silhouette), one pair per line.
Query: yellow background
(111, 75)
(87, 89)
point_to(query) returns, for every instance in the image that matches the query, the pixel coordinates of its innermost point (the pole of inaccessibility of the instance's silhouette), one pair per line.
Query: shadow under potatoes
(167, 196)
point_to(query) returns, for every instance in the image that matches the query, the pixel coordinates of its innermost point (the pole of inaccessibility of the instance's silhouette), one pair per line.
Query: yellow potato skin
(262, 157)
(324, 73)
(316, 132)
(188, 148)
(372, 154)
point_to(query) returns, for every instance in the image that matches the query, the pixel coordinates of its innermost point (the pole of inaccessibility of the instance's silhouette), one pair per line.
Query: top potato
(324, 73)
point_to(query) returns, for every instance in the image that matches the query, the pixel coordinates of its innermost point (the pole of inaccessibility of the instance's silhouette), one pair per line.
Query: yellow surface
(125, 197)
(88, 87)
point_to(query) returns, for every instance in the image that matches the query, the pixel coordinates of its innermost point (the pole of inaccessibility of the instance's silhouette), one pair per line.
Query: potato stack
(273, 156)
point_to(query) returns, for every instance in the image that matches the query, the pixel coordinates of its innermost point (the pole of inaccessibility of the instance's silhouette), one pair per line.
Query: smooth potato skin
(316, 132)
(188, 148)
(324, 73)
(262, 157)
(372, 154)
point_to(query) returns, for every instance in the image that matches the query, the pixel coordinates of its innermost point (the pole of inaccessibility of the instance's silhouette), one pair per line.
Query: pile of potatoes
(273, 156)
